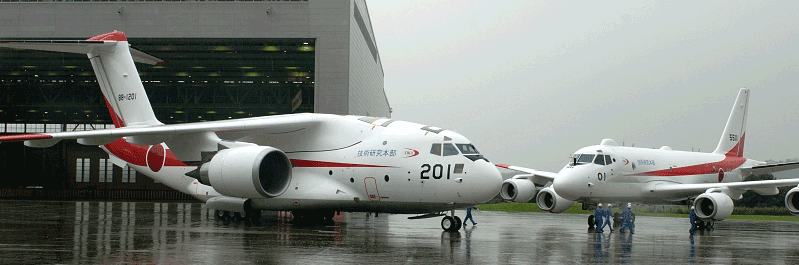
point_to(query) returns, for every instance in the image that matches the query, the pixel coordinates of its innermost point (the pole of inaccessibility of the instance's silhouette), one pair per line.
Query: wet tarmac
(44, 232)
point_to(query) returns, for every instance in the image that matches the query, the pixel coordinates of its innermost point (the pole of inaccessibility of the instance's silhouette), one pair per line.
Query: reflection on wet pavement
(37, 232)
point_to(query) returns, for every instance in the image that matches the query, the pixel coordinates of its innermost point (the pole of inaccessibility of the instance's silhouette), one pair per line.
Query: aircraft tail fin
(732, 140)
(113, 63)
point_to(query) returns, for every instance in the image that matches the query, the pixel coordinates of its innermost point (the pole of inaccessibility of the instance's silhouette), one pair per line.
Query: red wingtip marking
(24, 137)
(111, 36)
(503, 165)
(162, 63)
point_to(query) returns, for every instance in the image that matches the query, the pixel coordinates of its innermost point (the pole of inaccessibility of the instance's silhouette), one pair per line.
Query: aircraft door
(370, 184)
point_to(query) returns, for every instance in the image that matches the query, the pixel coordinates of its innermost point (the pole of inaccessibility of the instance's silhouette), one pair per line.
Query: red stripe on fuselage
(729, 163)
(311, 163)
(137, 154)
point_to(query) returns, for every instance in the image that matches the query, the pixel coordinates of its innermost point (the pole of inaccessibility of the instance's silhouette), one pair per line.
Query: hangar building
(226, 59)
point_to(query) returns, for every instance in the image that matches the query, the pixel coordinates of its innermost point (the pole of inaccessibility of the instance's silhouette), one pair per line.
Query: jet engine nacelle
(549, 201)
(248, 172)
(713, 206)
(517, 190)
(792, 201)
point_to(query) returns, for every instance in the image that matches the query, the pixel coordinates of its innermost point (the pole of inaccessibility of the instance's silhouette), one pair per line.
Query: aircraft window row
(467, 149)
(603, 160)
(584, 158)
(448, 149)
(589, 158)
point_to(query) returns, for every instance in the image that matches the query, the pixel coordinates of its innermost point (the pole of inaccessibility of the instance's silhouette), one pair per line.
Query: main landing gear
(236, 217)
(451, 223)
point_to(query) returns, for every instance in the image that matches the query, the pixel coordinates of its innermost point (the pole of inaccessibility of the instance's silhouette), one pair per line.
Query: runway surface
(46, 232)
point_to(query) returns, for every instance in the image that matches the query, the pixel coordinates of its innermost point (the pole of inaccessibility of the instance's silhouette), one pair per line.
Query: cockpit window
(450, 150)
(585, 158)
(600, 160)
(608, 161)
(436, 149)
(467, 149)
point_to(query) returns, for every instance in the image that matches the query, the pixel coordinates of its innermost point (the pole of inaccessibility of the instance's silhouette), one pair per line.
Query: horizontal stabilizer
(79, 46)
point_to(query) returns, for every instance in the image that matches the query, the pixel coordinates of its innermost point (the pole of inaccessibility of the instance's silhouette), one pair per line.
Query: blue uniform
(599, 214)
(469, 216)
(627, 220)
(692, 219)
(608, 219)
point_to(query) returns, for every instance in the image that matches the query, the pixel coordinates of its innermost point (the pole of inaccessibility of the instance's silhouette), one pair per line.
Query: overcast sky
(530, 82)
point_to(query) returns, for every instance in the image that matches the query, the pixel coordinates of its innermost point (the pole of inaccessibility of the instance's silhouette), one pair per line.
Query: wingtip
(502, 165)
(24, 137)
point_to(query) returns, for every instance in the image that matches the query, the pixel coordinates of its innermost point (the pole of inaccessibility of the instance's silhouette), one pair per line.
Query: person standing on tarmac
(627, 219)
(599, 213)
(692, 219)
(469, 216)
(609, 217)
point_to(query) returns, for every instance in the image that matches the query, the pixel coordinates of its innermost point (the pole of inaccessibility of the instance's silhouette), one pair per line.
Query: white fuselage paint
(343, 163)
(635, 170)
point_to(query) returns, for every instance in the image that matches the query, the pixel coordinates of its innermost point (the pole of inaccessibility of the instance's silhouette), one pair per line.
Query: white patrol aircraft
(617, 174)
(310, 164)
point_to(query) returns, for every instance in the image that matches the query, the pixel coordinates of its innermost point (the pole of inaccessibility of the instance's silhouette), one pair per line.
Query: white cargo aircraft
(311, 164)
(617, 174)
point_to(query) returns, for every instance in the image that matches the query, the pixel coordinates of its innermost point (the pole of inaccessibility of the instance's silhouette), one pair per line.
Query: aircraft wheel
(255, 216)
(616, 219)
(458, 223)
(709, 225)
(591, 221)
(226, 218)
(219, 215)
(448, 224)
(700, 225)
(238, 217)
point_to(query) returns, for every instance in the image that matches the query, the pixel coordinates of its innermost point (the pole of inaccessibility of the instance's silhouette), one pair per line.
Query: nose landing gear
(451, 223)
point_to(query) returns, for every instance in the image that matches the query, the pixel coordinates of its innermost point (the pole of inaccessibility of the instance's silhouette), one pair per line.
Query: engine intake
(248, 172)
(517, 190)
(792, 201)
(549, 201)
(713, 206)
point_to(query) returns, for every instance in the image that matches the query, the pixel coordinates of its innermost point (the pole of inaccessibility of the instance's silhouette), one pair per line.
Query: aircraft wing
(768, 169)
(148, 135)
(764, 187)
(540, 178)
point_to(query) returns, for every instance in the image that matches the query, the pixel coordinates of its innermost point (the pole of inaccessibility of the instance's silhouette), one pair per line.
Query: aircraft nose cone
(568, 186)
(487, 183)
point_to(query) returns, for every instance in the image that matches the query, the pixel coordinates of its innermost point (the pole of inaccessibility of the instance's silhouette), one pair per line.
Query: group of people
(603, 218)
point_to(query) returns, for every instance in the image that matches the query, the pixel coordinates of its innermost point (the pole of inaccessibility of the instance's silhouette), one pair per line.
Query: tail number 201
(436, 171)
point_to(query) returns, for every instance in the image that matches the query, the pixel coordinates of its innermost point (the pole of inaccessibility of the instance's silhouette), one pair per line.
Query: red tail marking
(118, 123)
(738, 150)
